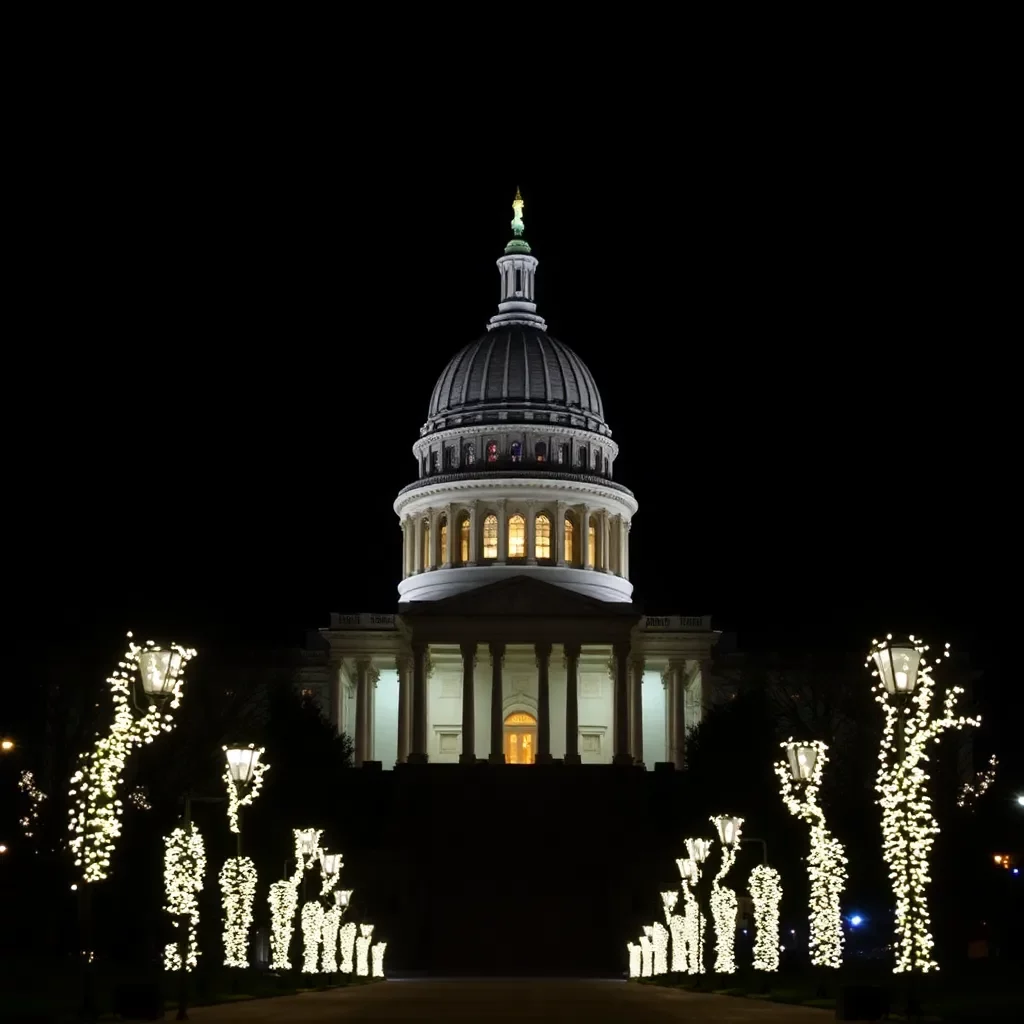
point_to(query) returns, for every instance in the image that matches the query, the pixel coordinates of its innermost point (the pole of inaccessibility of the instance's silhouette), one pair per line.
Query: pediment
(523, 597)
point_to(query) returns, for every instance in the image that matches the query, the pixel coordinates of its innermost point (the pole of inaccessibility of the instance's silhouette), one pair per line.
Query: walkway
(480, 1001)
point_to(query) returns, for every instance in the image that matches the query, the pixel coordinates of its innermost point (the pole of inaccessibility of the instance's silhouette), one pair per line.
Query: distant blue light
(856, 921)
(1016, 871)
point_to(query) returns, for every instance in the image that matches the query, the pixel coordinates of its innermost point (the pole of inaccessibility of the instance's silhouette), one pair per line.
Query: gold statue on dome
(517, 220)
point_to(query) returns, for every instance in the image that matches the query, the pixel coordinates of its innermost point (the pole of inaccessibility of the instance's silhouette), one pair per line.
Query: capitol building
(515, 639)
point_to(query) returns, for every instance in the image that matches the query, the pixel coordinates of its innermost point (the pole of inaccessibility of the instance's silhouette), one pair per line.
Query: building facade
(516, 639)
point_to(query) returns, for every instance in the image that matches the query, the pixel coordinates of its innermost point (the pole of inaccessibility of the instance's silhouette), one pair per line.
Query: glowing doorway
(520, 738)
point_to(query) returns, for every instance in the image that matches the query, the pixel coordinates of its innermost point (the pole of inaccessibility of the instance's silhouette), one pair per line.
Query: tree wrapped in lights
(329, 940)
(689, 868)
(377, 958)
(238, 887)
(659, 940)
(347, 946)
(184, 867)
(363, 942)
(905, 689)
(95, 818)
(243, 776)
(800, 777)
(284, 897)
(723, 900)
(635, 959)
(766, 892)
(312, 931)
(676, 927)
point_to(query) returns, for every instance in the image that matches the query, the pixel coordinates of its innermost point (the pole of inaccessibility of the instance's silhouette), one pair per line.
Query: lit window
(542, 546)
(569, 555)
(307, 694)
(444, 541)
(464, 541)
(426, 543)
(592, 545)
(516, 537)
(491, 537)
(540, 451)
(470, 454)
(492, 451)
(517, 452)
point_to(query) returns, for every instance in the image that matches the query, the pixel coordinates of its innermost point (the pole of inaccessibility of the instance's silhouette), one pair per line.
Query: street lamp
(342, 898)
(723, 900)
(698, 850)
(6, 746)
(800, 777)
(160, 668)
(243, 775)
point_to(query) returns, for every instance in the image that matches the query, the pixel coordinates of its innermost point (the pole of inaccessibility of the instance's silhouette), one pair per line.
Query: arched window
(540, 451)
(425, 529)
(570, 555)
(542, 537)
(516, 452)
(491, 537)
(492, 451)
(592, 542)
(517, 537)
(443, 541)
(469, 454)
(464, 540)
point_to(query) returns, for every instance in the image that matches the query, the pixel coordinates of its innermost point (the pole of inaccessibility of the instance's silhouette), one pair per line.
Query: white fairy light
(27, 784)
(238, 888)
(330, 865)
(669, 899)
(971, 792)
(363, 941)
(346, 946)
(646, 952)
(635, 959)
(908, 824)
(377, 958)
(689, 868)
(95, 817)
(283, 899)
(826, 862)
(766, 892)
(659, 940)
(184, 867)
(723, 900)
(240, 796)
(139, 799)
(329, 940)
(312, 928)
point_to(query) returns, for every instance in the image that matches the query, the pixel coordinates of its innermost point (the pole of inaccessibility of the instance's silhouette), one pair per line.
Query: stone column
(474, 533)
(677, 713)
(418, 753)
(468, 755)
(417, 545)
(404, 665)
(335, 692)
(497, 754)
(572, 707)
(502, 532)
(636, 718)
(362, 737)
(585, 559)
(559, 538)
(603, 547)
(543, 652)
(621, 697)
(531, 533)
(452, 537)
(435, 525)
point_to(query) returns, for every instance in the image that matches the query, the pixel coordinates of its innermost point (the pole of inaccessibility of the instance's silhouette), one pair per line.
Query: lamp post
(723, 900)
(243, 770)
(698, 850)
(148, 678)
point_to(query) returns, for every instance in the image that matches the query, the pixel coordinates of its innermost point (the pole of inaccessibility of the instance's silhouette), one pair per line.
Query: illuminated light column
(363, 941)
(766, 892)
(800, 775)
(377, 959)
(635, 959)
(347, 946)
(905, 689)
(723, 901)
(312, 931)
(184, 867)
(646, 952)
(675, 923)
(659, 940)
(283, 897)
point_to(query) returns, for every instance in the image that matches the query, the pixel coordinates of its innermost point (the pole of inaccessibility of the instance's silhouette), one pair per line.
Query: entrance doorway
(520, 738)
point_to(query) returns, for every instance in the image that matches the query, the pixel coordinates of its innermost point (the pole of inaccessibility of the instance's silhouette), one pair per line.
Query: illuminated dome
(516, 371)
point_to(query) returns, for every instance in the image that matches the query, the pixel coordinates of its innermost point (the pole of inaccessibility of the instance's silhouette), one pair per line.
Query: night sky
(799, 362)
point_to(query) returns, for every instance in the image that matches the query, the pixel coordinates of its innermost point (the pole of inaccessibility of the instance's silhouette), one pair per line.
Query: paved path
(479, 1001)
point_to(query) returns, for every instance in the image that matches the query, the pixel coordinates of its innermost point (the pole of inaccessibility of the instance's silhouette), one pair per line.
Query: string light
(723, 900)
(30, 821)
(329, 940)
(238, 888)
(826, 863)
(95, 823)
(346, 944)
(766, 892)
(675, 922)
(243, 796)
(139, 799)
(377, 955)
(659, 940)
(646, 952)
(363, 942)
(971, 792)
(184, 867)
(908, 824)
(284, 897)
(635, 959)
(312, 927)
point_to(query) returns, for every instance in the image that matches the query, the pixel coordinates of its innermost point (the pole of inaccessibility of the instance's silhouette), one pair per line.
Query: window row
(448, 458)
(433, 547)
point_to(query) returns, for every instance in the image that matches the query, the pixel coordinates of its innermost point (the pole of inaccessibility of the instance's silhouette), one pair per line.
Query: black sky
(799, 335)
